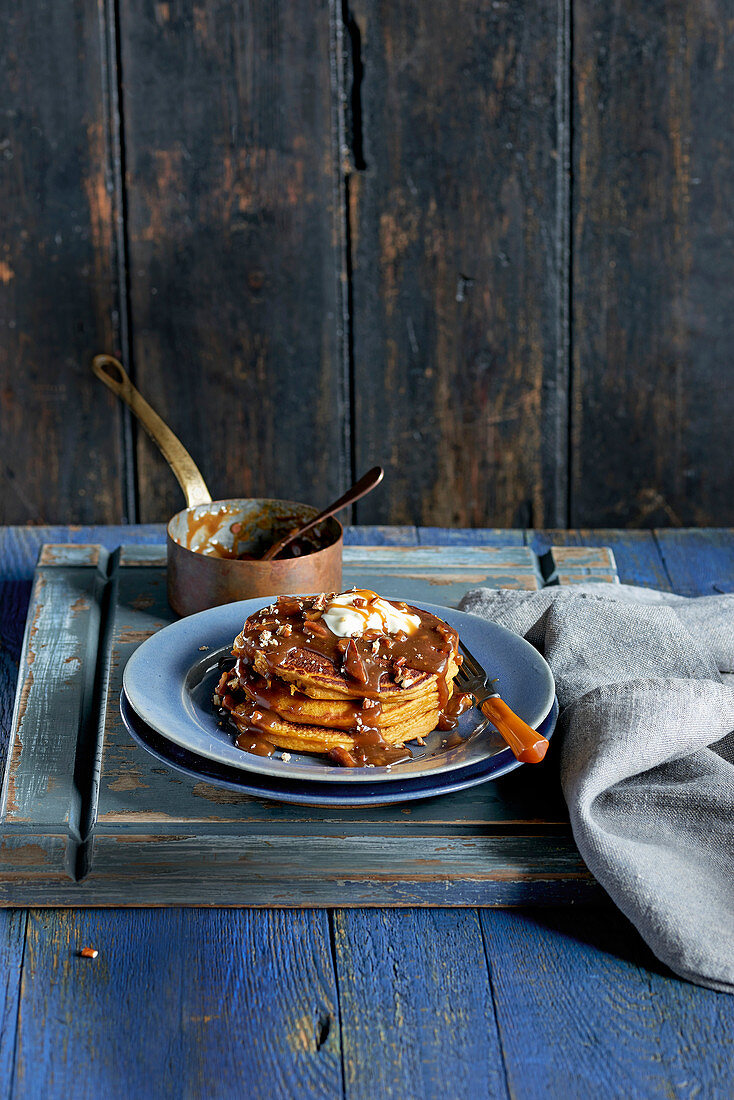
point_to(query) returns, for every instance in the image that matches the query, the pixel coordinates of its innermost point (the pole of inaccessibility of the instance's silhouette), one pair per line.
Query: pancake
(352, 675)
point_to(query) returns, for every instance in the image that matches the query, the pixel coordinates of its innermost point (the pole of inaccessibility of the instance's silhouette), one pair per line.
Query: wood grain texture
(459, 390)
(183, 1004)
(309, 870)
(603, 1018)
(14, 597)
(699, 563)
(12, 941)
(379, 535)
(235, 259)
(653, 248)
(60, 449)
(55, 720)
(416, 1006)
(475, 536)
(20, 546)
(439, 574)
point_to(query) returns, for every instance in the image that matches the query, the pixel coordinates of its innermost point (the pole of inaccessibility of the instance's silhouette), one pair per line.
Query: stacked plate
(167, 706)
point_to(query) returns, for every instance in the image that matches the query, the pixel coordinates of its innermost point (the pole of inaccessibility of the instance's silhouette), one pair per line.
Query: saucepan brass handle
(111, 371)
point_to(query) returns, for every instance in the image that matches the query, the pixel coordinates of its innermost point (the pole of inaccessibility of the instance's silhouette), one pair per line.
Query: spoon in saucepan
(360, 489)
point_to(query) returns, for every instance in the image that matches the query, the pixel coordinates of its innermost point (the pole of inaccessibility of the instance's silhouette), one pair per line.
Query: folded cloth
(646, 754)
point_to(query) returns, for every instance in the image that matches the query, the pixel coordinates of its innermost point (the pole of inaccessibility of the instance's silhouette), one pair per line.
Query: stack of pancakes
(294, 685)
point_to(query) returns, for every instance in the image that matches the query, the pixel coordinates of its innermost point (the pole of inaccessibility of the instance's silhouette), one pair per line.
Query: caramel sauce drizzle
(370, 662)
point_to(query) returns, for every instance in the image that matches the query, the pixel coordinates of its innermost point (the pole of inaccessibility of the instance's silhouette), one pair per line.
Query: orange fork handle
(528, 745)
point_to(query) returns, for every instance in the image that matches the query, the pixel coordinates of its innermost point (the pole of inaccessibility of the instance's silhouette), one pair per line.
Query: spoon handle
(360, 488)
(111, 371)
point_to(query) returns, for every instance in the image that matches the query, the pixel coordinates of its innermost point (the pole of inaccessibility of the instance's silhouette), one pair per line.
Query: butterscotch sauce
(371, 662)
(456, 705)
(203, 529)
(356, 716)
(250, 742)
(203, 534)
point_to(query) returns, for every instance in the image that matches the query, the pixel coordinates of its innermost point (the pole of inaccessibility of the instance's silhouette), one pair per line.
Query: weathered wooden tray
(89, 818)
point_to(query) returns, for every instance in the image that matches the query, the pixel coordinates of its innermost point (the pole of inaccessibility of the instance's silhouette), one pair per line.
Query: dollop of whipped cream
(371, 612)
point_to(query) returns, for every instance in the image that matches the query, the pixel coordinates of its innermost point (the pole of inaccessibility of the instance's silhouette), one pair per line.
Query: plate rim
(331, 773)
(314, 794)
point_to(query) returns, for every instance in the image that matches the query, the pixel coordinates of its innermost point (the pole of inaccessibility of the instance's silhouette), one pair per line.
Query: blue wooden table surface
(563, 1002)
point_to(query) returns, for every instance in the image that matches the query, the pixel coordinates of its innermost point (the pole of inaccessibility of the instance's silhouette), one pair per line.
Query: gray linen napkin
(646, 754)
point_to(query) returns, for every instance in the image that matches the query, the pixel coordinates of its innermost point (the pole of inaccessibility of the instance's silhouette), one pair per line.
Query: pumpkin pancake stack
(350, 675)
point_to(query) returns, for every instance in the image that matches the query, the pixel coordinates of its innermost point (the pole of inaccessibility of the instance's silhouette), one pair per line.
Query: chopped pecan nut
(289, 605)
(342, 757)
(317, 627)
(353, 663)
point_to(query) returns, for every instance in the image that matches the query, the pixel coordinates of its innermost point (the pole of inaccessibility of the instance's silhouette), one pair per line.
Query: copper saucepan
(202, 569)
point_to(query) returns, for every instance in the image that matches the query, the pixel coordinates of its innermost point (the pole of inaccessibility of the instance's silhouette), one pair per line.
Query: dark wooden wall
(488, 244)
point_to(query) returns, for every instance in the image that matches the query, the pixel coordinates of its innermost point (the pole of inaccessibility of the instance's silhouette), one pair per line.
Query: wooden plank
(592, 997)
(700, 563)
(58, 303)
(456, 223)
(20, 546)
(470, 536)
(653, 260)
(430, 559)
(236, 263)
(14, 597)
(89, 554)
(304, 870)
(137, 793)
(12, 939)
(147, 557)
(416, 1006)
(439, 574)
(364, 535)
(244, 1005)
(55, 721)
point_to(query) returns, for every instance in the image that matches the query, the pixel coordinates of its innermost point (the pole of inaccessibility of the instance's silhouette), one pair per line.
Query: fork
(527, 744)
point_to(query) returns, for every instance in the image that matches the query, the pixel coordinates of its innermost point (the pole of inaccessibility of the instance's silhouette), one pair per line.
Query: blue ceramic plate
(306, 793)
(170, 679)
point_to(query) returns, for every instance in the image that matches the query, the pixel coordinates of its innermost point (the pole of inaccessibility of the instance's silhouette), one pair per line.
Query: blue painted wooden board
(698, 562)
(416, 985)
(179, 1003)
(91, 818)
(588, 1011)
(237, 1000)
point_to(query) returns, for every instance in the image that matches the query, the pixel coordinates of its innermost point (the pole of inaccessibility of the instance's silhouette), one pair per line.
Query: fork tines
(470, 665)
